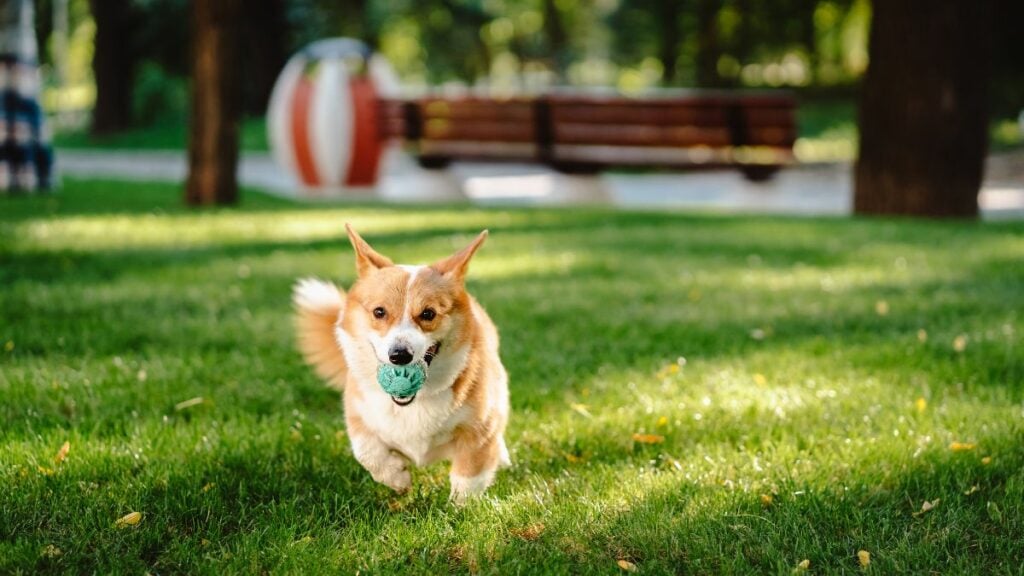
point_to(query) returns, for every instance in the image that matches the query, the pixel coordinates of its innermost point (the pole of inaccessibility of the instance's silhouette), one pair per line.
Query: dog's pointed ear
(367, 259)
(456, 265)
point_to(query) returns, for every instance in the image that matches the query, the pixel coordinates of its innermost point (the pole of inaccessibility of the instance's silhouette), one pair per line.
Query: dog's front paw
(399, 481)
(465, 488)
(395, 475)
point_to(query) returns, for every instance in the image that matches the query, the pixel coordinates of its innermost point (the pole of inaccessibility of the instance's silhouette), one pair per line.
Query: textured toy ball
(401, 381)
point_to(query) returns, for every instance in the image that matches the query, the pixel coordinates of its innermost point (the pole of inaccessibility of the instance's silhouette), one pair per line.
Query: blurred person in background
(26, 158)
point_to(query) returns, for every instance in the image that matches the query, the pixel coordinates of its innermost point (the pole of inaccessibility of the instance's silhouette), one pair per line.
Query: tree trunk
(113, 65)
(707, 43)
(924, 109)
(265, 40)
(670, 38)
(809, 38)
(213, 130)
(557, 39)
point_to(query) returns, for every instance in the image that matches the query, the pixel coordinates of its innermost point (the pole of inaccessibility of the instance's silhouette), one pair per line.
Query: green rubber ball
(401, 381)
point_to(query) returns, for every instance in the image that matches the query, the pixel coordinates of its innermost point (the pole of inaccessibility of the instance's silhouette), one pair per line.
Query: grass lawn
(800, 388)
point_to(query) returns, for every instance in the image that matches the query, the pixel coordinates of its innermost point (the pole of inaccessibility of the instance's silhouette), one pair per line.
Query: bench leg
(433, 162)
(577, 168)
(759, 172)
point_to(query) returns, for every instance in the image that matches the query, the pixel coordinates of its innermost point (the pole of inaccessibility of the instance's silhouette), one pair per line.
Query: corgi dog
(402, 315)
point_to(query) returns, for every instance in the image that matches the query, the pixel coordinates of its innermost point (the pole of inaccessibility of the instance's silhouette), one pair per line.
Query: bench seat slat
(691, 116)
(436, 129)
(478, 149)
(627, 135)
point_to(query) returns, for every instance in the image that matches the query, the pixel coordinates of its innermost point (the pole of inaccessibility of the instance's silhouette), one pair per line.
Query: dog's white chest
(416, 430)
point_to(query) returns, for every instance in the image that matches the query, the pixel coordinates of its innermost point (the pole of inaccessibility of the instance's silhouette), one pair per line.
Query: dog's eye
(428, 314)
(379, 312)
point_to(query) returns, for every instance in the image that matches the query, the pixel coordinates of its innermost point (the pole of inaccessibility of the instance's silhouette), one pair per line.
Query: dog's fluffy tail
(318, 308)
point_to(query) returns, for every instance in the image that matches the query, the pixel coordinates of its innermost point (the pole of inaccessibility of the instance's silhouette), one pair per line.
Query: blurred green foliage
(816, 47)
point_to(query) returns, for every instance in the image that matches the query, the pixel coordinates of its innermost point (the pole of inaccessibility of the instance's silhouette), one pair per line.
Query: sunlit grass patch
(691, 393)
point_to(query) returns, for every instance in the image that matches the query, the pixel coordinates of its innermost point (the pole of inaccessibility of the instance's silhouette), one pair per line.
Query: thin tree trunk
(809, 38)
(557, 39)
(670, 39)
(265, 40)
(113, 65)
(707, 43)
(924, 109)
(213, 131)
(745, 31)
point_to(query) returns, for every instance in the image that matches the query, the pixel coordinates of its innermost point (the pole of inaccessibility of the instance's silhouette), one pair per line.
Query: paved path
(809, 190)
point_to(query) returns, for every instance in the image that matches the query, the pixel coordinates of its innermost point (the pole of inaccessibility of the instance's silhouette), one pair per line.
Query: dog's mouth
(428, 357)
(431, 352)
(403, 400)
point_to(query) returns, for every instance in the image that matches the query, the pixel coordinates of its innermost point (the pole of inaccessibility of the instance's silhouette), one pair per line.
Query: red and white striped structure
(322, 119)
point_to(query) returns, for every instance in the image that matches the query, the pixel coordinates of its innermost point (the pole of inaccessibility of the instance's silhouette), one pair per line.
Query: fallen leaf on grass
(581, 409)
(927, 506)
(971, 490)
(648, 438)
(803, 566)
(62, 453)
(573, 458)
(627, 565)
(51, 551)
(668, 370)
(129, 519)
(864, 558)
(921, 404)
(767, 499)
(962, 446)
(188, 403)
(986, 460)
(922, 335)
(960, 343)
(531, 532)
(882, 308)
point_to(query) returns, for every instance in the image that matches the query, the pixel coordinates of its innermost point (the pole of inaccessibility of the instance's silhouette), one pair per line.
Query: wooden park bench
(753, 132)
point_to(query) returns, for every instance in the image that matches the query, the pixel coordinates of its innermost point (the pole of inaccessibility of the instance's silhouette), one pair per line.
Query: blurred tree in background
(114, 63)
(925, 108)
(213, 125)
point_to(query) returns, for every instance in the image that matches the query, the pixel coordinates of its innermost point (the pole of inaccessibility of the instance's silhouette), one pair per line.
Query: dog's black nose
(400, 355)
